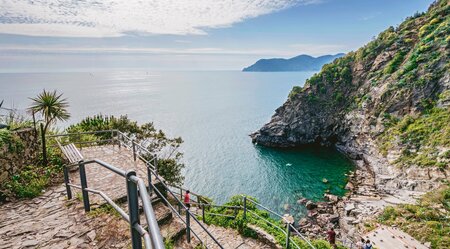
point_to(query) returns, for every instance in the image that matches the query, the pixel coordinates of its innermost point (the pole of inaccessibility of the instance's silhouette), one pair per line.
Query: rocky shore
(353, 214)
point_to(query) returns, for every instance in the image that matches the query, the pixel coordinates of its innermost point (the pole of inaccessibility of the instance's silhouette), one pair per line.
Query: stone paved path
(102, 179)
(51, 221)
(47, 221)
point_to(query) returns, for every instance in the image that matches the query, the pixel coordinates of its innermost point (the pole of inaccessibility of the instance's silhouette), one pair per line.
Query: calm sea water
(214, 112)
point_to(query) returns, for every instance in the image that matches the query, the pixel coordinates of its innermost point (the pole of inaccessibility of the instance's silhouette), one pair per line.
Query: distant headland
(298, 63)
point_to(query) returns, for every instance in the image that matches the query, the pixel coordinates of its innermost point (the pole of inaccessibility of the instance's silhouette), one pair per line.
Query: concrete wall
(14, 156)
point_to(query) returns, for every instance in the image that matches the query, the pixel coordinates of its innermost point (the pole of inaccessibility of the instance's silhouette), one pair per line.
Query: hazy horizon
(57, 35)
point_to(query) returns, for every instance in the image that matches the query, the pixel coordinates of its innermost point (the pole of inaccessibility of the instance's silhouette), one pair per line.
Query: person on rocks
(187, 199)
(361, 244)
(332, 237)
(368, 245)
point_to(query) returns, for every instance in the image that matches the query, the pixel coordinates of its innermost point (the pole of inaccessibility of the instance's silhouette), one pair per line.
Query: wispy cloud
(107, 18)
(13, 49)
(370, 16)
(289, 51)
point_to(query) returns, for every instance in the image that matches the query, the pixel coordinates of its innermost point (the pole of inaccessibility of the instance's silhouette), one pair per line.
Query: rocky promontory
(386, 106)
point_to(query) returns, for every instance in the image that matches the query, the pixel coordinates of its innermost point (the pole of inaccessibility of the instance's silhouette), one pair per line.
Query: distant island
(298, 63)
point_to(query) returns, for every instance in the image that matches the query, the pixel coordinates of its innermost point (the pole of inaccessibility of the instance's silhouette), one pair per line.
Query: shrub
(155, 141)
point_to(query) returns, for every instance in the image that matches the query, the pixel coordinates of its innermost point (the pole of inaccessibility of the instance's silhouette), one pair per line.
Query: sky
(90, 35)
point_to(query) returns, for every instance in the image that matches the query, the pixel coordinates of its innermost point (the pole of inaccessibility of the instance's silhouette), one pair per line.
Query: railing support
(119, 136)
(66, 182)
(134, 149)
(112, 137)
(288, 234)
(188, 226)
(133, 208)
(87, 206)
(149, 176)
(203, 213)
(245, 207)
(155, 162)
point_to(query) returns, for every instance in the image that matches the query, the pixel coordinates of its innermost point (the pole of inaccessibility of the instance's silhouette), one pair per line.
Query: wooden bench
(71, 152)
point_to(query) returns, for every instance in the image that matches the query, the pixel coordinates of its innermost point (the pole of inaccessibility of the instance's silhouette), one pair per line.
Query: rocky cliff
(386, 105)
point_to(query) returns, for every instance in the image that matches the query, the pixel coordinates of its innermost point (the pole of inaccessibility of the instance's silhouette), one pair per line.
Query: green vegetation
(103, 209)
(155, 141)
(33, 179)
(169, 244)
(428, 221)
(46, 169)
(394, 63)
(52, 107)
(241, 224)
(406, 65)
(420, 137)
(11, 140)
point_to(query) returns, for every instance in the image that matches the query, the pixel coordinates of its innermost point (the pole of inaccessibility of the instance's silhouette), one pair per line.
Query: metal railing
(152, 237)
(287, 231)
(121, 139)
(141, 153)
(152, 170)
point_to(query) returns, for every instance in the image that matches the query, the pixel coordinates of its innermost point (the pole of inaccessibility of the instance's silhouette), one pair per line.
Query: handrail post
(188, 226)
(288, 234)
(149, 176)
(245, 207)
(203, 213)
(66, 182)
(134, 149)
(119, 135)
(133, 209)
(155, 162)
(112, 137)
(87, 206)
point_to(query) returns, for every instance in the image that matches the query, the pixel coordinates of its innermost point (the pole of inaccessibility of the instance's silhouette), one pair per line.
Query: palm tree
(53, 108)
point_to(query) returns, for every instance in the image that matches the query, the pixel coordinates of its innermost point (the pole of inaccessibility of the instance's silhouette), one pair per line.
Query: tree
(53, 108)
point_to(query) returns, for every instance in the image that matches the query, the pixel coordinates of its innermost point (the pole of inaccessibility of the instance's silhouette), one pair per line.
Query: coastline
(369, 192)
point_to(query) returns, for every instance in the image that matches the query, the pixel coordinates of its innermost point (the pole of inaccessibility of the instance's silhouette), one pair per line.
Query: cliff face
(387, 104)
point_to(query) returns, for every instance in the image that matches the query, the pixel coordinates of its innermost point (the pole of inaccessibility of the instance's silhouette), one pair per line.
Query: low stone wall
(21, 151)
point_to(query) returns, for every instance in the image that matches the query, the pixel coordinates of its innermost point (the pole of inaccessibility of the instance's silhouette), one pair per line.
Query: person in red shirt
(187, 199)
(332, 237)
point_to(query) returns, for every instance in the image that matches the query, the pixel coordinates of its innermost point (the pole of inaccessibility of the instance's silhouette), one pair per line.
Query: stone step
(162, 213)
(173, 231)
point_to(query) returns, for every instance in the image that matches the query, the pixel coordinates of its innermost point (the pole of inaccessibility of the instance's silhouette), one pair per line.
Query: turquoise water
(213, 112)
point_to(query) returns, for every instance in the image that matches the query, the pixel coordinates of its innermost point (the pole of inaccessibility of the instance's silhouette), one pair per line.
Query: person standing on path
(368, 245)
(187, 199)
(360, 244)
(332, 237)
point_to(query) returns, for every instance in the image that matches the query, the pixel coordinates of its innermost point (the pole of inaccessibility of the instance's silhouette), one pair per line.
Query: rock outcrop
(385, 105)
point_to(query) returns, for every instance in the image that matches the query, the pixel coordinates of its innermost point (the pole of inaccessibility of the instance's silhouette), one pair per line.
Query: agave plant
(52, 106)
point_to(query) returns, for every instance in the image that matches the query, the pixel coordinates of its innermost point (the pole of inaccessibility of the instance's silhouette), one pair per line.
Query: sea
(214, 112)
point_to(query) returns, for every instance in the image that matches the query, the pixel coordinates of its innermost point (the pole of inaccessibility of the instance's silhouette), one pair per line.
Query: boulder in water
(310, 205)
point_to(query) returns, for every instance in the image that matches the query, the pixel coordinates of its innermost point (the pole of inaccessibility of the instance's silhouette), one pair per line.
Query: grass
(103, 209)
(428, 221)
